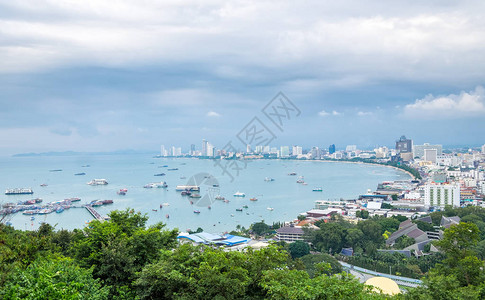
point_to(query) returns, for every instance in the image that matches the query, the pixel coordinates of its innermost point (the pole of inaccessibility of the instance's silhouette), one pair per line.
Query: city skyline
(120, 75)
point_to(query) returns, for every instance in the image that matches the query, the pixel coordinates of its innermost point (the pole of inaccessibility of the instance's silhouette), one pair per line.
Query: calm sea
(286, 197)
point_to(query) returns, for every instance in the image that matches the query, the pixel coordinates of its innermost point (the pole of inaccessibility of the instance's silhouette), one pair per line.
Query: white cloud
(364, 113)
(451, 106)
(323, 113)
(213, 114)
(336, 113)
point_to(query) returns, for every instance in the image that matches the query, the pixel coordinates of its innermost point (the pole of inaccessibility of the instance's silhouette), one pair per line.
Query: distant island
(73, 153)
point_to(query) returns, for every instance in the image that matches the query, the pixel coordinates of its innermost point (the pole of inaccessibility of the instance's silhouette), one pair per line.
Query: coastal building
(419, 150)
(404, 145)
(204, 147)
(350, 148)
(284, 151)
(438, 195)
(297, 150)
(430, 155)
(163, 151)
(290, 234)
(331, 149)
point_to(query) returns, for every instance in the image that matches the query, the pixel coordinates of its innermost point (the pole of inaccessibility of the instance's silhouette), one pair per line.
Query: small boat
(80, 174)
(317, 189)
(304, 183)
(215, 185)
(226, 201)
(166, 204)
(164, 166)
(195, 196)
(59, 210)
(107, 202)
(159, 174)
(268, 179)
(167, 216)
(196, 211)
(209, 207)
(32, 218)
(245, 206)
(98, 182)
(121, 192)
(219, 197)
(292, 174)
(186, 193)
(173, 169)
(154, 210)
(239, 194)
(44, 184)
(270, 208)
(56, 170)
(300, 181)
(86, 166)
(239, 209)
(253, 199)
(73, 199)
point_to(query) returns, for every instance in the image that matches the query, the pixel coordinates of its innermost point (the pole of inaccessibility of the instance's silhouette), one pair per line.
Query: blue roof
(209, 238)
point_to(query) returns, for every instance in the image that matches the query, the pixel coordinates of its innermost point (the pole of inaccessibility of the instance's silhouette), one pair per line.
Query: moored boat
(239, 194)
(317, 189)
(253, 199)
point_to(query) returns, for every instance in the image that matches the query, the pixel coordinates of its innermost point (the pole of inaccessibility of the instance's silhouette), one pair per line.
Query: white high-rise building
(163, 151)
(266, 149)
(483, 149)
(210, 150)
(284, 151)
(430, 155)
(440, 195)
(419, 150)
(176, 151)
(350, 148)
(248, 148)
(297, 150)
(204, 147)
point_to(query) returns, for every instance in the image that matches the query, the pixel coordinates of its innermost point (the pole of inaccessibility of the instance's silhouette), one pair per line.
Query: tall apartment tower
(331, 149)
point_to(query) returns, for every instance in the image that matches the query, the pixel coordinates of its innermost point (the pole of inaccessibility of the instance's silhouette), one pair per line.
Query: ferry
(239, 194)
(98, 182)
(318, 189)
(192, 188)
(19, 191)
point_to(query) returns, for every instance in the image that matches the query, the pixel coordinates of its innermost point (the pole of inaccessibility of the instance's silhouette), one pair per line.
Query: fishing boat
(253, 199)
(196, 211)
(317, 189)
(239, 194)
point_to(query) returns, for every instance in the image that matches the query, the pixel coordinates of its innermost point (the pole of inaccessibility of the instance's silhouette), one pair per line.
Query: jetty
(94, 213)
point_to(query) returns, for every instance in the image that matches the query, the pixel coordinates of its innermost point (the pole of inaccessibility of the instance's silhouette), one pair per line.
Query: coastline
(368, 163)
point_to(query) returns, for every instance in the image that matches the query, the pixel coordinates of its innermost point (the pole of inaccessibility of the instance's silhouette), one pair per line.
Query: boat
(122, 191)
(192, 188)
(270, 208)
(159, 174)
(164, 166)
(245, 206)
(165, 204)
(215, 185)
(226, 201)
(196, 211)
(268, 179)
(32, 218)
(167, 216)
(253, 199)
(73, 199)
(239, 194)
(19, 191)
(300, 181)
(85, 166)
(219, 197)
(154, 210)
(44, 184)
(98, 182)
(45, 211)
(195, 196)
(37, 200)
(59, 210)
(107, 201)
(292, 174)
(173, 169)
(80, 174)
(186, 193)
(209, 207)
(56, 170)
(30, 212)
(239, 209)
(317, 189)
(161, 184)
(304, 183)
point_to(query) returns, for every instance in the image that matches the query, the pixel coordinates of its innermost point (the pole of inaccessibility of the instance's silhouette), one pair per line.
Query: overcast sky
(108, 75)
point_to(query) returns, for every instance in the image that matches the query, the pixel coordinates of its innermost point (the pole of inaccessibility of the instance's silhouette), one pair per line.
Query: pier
(94, 213)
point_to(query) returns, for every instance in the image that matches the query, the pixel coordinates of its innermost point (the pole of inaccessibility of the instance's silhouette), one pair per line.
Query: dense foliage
(124, 259)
